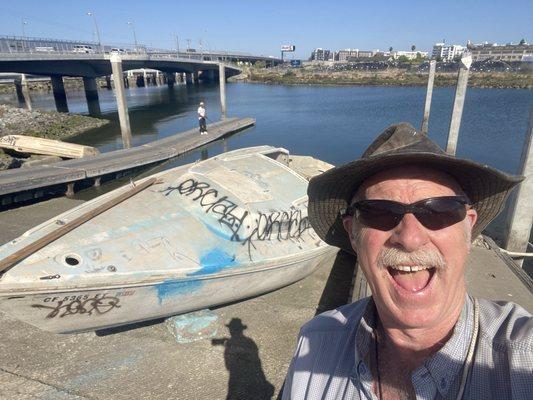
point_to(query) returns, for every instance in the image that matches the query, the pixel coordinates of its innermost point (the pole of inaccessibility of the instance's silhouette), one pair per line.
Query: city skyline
(263, 28)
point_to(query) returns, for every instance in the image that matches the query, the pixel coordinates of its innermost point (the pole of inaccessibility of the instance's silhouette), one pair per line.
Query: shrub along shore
(389, 77)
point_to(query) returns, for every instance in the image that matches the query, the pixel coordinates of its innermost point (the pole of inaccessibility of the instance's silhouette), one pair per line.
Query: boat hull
(105, 307)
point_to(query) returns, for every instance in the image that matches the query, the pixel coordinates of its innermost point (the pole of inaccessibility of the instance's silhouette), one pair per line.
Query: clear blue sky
(261, 27)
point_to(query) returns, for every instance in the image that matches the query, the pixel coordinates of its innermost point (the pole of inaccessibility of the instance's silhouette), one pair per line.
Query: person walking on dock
(201, 119)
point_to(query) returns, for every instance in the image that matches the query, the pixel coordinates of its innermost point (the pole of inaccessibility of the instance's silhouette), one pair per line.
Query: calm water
(335, 124)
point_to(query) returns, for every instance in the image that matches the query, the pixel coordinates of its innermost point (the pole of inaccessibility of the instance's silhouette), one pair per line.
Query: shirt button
(361, 368)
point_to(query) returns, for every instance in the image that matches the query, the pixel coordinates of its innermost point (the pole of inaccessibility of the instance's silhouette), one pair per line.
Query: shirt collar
(445, 366)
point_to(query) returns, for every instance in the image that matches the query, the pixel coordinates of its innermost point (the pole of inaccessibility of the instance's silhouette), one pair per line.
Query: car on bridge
(83, 48)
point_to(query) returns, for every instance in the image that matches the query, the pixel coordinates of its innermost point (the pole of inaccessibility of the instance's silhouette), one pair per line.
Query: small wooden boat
(204, 234)
(49, 147)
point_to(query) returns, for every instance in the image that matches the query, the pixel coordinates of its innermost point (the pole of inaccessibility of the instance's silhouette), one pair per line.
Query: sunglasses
(433, 213)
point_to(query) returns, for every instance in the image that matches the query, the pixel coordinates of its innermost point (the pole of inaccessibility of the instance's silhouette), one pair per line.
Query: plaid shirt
(330, 358)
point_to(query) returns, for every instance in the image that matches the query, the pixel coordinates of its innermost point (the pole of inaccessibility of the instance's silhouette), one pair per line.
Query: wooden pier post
(222, 82)
(521, 211)
(429, 94)
(123, 116)
(460, 93)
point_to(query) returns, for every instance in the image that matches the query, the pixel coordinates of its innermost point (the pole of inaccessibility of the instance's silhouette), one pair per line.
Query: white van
(82, 48)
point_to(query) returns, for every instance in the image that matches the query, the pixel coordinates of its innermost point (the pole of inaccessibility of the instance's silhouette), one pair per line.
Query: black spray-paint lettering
(278, 225)
(96, 305)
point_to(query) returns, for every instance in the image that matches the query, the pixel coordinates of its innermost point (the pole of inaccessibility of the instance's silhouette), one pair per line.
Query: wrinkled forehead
(408, 180)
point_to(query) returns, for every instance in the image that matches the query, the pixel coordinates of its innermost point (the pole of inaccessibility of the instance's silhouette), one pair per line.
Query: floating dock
(23, 184)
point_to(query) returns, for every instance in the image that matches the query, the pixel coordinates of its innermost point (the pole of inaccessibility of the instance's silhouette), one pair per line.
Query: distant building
(344, 55)
(411, 55)
(321, 55)
(365, 54)
(508, 52)
(447, 52)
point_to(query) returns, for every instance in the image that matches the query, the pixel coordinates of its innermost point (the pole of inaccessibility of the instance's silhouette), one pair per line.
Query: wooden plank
(63, 230)
(33, 145)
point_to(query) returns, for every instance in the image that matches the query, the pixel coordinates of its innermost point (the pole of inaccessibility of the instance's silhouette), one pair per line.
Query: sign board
(288, 47)
(296, 63)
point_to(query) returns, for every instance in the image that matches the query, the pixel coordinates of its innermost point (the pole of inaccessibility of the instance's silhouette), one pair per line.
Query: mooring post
(521, 210)
(429, 94)
(460, 93)
(222, 83)
(123, 116)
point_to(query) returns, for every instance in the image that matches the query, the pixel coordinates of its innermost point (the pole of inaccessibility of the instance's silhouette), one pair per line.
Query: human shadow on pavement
(247, 381)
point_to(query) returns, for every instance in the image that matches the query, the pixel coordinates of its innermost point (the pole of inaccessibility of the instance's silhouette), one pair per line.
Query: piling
(60, 96)
(123, 116)
(91, 94)
(521, 210)
(188, 78)
(460, 93)
(222, 82)
(23, 92)
(170, 79)
(429, 94)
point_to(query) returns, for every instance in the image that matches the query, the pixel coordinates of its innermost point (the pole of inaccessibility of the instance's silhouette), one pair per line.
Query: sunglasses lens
(434, 213)
(378, 214)
(439, 213)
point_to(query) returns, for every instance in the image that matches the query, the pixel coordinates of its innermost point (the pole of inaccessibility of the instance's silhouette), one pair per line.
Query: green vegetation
(390, 77)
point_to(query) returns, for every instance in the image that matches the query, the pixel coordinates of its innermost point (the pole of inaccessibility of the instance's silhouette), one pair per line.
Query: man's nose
(410, 234)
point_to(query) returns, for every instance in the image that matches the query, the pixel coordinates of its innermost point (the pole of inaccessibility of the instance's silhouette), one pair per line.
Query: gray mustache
(424, 258)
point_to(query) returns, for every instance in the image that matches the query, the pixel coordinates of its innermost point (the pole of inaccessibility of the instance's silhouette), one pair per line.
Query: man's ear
(471, 216)
(347, 222)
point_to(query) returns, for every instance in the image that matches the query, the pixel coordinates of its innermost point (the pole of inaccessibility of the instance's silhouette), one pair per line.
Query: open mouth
(413, 279)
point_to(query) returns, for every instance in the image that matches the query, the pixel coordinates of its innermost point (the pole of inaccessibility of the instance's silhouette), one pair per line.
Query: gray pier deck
(27, 183)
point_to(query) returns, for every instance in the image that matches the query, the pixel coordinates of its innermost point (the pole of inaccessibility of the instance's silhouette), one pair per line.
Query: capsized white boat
(204, 234)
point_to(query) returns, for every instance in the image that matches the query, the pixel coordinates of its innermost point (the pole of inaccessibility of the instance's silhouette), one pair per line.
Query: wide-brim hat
(329, 193)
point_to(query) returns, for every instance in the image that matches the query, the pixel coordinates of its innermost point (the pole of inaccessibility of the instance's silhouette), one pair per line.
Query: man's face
(432, 295)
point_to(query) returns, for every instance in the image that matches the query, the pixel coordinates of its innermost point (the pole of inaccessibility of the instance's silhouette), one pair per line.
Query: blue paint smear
(172, 288)
(214, 261)
(211, 262)
(217, 232)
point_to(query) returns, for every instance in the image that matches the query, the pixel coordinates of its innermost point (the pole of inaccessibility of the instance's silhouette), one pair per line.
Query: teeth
(408, 268)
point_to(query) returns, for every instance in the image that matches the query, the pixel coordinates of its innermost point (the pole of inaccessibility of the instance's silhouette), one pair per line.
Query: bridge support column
(179, 77)
(188, 78)
(222, 83)
(91, 94)
(170, 79)
(125, 129)
(23, 92)
(60, 97)
(195, 77)
(108, 82)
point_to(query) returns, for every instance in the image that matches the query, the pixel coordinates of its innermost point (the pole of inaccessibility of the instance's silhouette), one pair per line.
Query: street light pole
(90, 14)
(134, 35)
(23, 23)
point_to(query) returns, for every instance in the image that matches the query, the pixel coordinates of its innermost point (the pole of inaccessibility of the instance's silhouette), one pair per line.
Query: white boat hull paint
(215, 232)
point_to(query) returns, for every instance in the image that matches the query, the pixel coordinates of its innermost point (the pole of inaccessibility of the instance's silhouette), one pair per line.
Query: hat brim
(486, 187)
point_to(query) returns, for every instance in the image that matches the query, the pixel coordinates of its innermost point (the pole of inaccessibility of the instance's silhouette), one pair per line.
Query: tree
(413, 47)
(403, 59)
(522, 42)
(390, 49)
